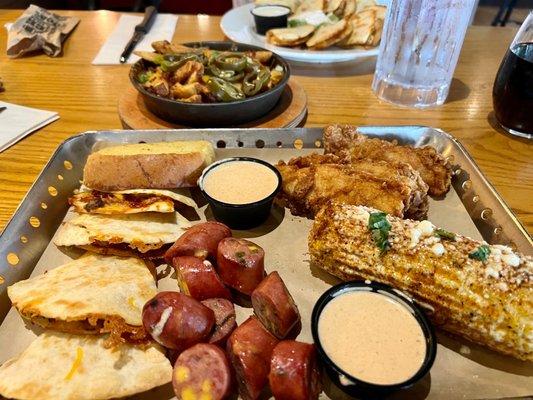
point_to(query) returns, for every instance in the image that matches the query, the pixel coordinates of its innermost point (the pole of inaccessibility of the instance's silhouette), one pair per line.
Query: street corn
(483, 293)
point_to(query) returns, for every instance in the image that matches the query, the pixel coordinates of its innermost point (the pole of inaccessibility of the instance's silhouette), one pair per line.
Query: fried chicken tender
(262, 56)
(157, 84)
(165, 47)
(311, 181)
(190, 72)
(346, 142)
(181, 92)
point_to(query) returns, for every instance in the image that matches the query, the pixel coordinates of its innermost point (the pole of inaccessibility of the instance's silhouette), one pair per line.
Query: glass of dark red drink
(512, 94)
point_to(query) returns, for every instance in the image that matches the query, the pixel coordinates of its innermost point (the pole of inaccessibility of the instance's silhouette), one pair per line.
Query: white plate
(238, 25)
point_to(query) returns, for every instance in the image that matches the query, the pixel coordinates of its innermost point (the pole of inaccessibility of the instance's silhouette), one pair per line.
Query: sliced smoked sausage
(202, 372)
(274, 306)
(250, 349)
(240, 264)
(293, 371)
(225, 320)
(177, 321)
(198, 278)
(200, 241)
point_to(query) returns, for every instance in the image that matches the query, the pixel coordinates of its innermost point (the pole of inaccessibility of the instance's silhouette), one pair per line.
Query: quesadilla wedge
(91, 295)
(328, 34)
(290, 36)
(310, 5)
(127, 201)
(59, 366)
(144, 235)
(362, 31)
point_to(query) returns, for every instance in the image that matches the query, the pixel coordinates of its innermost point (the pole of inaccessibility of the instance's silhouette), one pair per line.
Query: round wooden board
(289, 112)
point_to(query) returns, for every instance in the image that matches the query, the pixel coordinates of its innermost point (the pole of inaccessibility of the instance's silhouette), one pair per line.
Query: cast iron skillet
(213, 114)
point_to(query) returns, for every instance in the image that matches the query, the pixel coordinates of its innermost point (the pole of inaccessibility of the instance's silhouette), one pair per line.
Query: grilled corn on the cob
(481, 292)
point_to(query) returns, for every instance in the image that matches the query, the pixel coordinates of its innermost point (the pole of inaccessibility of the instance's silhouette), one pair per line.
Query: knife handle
(148, 20)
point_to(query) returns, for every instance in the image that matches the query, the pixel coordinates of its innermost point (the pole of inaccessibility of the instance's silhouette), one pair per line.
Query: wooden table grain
(86, 98)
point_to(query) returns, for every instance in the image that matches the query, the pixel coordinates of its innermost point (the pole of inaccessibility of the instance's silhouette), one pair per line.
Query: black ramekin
(264, 23)
(240, 216)
(356, 387)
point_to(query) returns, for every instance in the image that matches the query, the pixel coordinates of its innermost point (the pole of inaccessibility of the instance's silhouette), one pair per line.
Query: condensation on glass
(419, 49)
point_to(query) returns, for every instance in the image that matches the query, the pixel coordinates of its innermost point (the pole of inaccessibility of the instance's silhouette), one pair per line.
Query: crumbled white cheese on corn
(511, 259)
(425, 227)
(422, 229)
(438, 249)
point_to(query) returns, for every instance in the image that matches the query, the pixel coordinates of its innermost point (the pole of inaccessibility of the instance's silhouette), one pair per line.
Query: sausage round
(198, 278)
(274, 306)
(294, 373)
(250, 349)
(240, 264)
(202, 371)
(177, 321)
(225, 320)
(200, 241)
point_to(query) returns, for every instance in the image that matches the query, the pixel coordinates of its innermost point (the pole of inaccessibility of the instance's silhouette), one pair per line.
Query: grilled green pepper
(254, 81)
(170, 66)
(144, 76)
(231, 61)
(222, 90)
(230, 76)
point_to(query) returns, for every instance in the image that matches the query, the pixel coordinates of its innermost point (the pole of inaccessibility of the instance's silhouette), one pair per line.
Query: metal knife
(140, 30)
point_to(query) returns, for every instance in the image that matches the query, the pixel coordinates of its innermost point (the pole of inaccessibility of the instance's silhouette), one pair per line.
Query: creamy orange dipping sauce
(372, 337)
(240, 182)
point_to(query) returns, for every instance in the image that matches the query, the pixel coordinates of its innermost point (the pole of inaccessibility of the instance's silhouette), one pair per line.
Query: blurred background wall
(485, 13)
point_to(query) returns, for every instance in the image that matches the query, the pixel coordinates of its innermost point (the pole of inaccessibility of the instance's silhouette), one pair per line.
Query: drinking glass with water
(512, 94)
(419, 49)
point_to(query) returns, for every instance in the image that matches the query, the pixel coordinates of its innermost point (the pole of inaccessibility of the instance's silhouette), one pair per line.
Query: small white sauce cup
(352, 385)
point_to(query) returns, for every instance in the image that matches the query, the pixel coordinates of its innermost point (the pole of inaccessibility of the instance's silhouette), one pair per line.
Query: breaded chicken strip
(311, 181)
(346, 142)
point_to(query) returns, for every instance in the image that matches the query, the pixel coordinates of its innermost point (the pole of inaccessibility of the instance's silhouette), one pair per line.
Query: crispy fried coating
(346, 142)
(165, 47)
(157, 84)
(190, 72)
(262, 56)
(311, 181)
(180, 91)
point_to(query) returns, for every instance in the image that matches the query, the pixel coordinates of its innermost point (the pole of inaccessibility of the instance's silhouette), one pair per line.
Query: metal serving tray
(26, 248)
(31, 228)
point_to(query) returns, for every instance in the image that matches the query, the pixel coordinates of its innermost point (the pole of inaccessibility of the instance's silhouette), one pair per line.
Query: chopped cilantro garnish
(293, 23)
(333, 18)
(444, 234)
(144, 77)
(380, 228)
(481, 253)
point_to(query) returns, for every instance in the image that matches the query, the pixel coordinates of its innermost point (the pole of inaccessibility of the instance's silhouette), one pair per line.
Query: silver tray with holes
(31, 228)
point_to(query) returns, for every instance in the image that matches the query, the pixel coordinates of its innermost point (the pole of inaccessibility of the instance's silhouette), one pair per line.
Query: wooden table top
(86, 98)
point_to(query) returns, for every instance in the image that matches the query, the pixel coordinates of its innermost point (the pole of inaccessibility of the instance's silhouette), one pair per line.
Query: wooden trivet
(288, 113)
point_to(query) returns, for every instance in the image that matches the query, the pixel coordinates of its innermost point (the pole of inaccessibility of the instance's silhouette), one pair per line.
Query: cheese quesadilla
(135, 234)
(127, 201)
(93, 294)
(59, 366)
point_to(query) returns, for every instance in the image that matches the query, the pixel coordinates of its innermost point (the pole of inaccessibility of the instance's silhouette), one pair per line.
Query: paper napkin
(16, 122)
(162, 29)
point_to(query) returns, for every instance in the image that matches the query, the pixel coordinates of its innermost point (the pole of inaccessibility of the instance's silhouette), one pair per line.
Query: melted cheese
(158, 328)
(75, 364)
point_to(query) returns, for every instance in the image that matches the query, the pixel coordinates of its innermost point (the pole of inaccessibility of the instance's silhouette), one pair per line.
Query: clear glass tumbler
(419, 49)
(512, 94)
